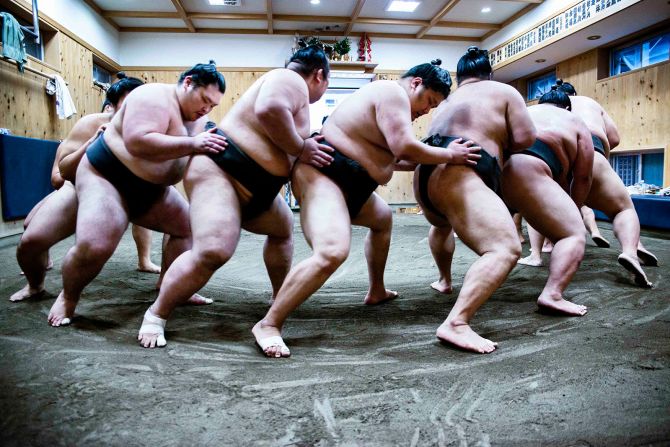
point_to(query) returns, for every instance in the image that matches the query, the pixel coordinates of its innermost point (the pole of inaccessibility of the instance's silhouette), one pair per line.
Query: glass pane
(652, 169)
(539, 86)
(626, 59)
(32, 48)
(626, 167)
(656, 50)
(101, 75)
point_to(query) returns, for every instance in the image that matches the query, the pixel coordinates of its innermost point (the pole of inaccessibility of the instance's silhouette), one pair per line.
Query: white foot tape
(153, 325)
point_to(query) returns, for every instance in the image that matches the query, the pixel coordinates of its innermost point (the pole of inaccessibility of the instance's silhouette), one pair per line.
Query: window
(101, 75)
(633, 168)
(640, 54)
(32, 48)
(540, 85)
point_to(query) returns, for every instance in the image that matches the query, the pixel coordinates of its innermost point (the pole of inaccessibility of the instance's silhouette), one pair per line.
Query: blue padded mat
(653, 211)
(25, 173)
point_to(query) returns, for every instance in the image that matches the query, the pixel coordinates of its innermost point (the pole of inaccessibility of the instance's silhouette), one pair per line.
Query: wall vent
(225, 2)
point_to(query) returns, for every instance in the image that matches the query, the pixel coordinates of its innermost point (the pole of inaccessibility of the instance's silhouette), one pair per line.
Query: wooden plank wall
(637, 101)
(26, 109)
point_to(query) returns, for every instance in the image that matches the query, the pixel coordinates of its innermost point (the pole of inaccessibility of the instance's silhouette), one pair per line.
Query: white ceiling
(329, 14)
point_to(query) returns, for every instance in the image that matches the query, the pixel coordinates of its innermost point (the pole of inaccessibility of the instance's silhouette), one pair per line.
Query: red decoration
(365, 44)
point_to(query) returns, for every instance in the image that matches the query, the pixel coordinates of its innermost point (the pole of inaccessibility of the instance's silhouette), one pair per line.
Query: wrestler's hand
(209, 142)
(101, 130)
(315, 153)
(464, 153)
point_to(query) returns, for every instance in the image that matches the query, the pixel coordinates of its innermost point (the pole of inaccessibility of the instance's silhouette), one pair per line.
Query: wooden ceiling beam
(354, 16)
(142, 14)
(99, 10)
(268, 6)
(448, 6)
(182, 13)
(467, 25)
(290, 32)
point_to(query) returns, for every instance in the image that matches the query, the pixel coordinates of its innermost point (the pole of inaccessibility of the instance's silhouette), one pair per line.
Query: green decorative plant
(342, 47)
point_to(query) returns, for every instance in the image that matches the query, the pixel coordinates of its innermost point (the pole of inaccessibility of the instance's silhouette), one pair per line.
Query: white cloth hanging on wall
(64, 105)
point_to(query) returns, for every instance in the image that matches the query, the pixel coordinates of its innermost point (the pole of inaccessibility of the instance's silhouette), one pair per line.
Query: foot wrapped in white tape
(152, 331)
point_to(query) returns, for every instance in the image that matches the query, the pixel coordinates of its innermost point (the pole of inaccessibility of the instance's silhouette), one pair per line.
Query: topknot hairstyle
(203, 75)
(557, 97)
(432, 76)
(474, 64)
(566, 87)
(310, 59)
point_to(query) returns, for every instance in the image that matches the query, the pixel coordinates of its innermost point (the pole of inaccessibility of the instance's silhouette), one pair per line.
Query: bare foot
(522, 240)
(268, 338)
(389, 295)
(462, 336)
(547, 246)
(148, 267)
(646, 257)
(26, 292)
(152, 331)
(633, 266)
(600, 241)
(61, 312)
(561, 306)
(531, 260)
(198, 300)
(442, 286)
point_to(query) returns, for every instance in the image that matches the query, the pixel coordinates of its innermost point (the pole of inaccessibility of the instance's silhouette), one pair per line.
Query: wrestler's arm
(279, 100)
(404, 165)
(520, 127)
(144, 125)
(57, 180)
(392, 111)
(69, 164)
(69, 152)
(582, 171)
(611, 130)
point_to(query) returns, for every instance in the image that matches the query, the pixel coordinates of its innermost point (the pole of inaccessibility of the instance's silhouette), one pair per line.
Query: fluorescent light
(402, 6)
(216, 2)
(315, 2)
(486, 9)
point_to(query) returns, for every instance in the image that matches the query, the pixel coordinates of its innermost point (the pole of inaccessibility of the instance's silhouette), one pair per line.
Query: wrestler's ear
(415, 82)
(320, 76)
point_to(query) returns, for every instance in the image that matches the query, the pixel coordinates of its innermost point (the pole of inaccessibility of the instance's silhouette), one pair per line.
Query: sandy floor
(367, 376)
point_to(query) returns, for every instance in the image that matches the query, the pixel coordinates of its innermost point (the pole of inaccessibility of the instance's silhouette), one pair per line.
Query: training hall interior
(358, 375)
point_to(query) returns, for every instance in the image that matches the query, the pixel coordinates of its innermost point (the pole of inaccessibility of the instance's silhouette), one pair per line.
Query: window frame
(638, 44)
(530, 81)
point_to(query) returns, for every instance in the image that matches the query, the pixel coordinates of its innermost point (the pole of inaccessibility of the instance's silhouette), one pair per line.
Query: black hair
(556, 97)
(311, 59)
(474, 64)
(203, 75)
(122, 87)
(433, 77)
(566, 87)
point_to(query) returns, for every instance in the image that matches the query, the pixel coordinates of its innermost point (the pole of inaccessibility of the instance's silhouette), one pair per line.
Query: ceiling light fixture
(315, 2)
(594, 37)
(539, 61)
(486, 9)
(402, 6)
(224, 2)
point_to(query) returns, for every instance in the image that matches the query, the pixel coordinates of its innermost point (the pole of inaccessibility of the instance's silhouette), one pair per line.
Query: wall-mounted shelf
(365, 67)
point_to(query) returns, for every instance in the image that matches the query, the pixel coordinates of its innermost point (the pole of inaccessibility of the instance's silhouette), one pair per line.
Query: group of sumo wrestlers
(487, 156)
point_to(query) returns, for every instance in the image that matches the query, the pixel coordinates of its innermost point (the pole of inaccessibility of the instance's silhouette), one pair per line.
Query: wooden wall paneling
(639, 103)
(581, 71)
